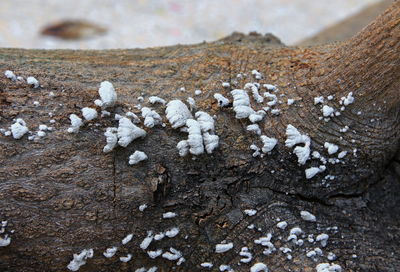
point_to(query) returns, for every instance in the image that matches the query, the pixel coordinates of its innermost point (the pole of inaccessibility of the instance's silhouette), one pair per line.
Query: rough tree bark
(62, 194)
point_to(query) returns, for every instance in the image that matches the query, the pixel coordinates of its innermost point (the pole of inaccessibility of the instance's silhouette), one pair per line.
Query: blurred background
(104, 24)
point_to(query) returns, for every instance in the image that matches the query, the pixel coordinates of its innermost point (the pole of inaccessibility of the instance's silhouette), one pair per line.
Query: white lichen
(282, 225)
(272, 97)
(154, 253)
(318, 100)
(327, 111)
(323, 238)
(172, 254)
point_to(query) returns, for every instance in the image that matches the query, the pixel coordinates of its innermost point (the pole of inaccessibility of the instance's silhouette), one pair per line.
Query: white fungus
(254, 90)
(154, 254)
(191, 102)
(10, 75)
(205, 120)
(241, 104)
(342, 154)
(5, 241)
(195, 139)
(80, 259)
(244, 252)
(327, 111)
(127, 239)
(89, 113)
(206, 265)
(76, 123)
(318, 100)
(177, 113)
(332, 148)
(226, 84)
(307, 216)
(268, 143)
(107, 94)
(254, 128)
(156, 99)
(19, 129)
(221, 248)
(126, 259)
(270, 87)
(127, 132)
(311, 172)
(259, 267)
(183, 148)
(110, 252)
(173, 255)
(326, 267)
(151, 118)
(290, 101)
(349, 99)
(137, 157)
(272, 97)
(250, 212)
(256, 150)
(172, 232)
(146, 241)
(323, 238)
(159, 236)
(32, 81)
(256, 74)
(224, 267)
(111, 139)
(197, 92)
(169, 215)
(296, 231)
(222, 101)
(282, 225)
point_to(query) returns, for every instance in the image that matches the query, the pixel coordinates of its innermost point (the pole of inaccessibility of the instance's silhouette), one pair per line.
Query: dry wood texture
(61, 193)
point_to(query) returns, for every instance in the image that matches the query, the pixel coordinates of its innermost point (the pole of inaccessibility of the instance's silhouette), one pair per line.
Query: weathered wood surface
(62, 194)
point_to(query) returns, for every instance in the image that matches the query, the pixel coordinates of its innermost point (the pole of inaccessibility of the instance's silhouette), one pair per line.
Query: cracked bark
(62, 194)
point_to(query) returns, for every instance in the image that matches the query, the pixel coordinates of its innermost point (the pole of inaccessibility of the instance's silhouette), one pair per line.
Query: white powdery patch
(307, 216)
(282, 225)
(254, 90)
(172, 232)
(126, 259)
(76, 123)
(250, 212)
(323, 238)
(19, 129)
(244, 252)
(272, 97)
(332, 148)
(111, 139)
(257, 116)
(173, 255)
(259, 267)
(177, 113)
(221, 248)
(268, 143)
(151, 118)
(146, 241)
(32, 81)
(222, 100)
(127, 239)
(127, 132)
(241, 104)
(10, 75)
(254, 128)
(137, 157)
(108, 95)
(349, 99)
(327, 111)
(110, 252)
(154, 254)
(342, 154)
(318, 100)
(89, 113)
(80, 259)
(326, 267)
(169, 215)
(156, 99)
(206, 265)
(294, 137)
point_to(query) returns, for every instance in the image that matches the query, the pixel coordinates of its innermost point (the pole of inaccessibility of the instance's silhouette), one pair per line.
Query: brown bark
(62, 194)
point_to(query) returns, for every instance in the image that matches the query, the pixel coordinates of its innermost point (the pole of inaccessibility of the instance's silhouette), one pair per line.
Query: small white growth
(110, 252)
(345, 129)
(173, 255)
(134, 117)
(5, 241)
(197, 92)
(80, 259)
(331, 256)
(195, 139)
(226, 84)
(107, 94)
(32, 81)
(41, 134)
(347, 100)
(244, 252)
(210, 142)
(318, 100)
(254, 90)
(332, 148)
(172, 232)
(126, 259)
(222, 100)
(18, 129)
(272, 97)
(169, 215)
(311, 172)
(241, 104)
(254, 128)
(156, 99)
(302, 153)
(290, 101)
(206, 265)
(259, 267)
(250, 212)
(323, 238)
(256, 150)
(191, 102)
(159, 236)
(256, 74)
(10, 75)
(275, 112)
(152, 269)
(342, 154)
(177, 113)
(326, 267)
(221, 248)
(137, 157)
(151, 118)
(76, 123)
(307, 216)
(294, 137)
(127, 132)
(330, 97)
(224, 267)
(183, 148)
(282, 225)
(154, 254)
(327, 111)
(105, 113)
(89, 113)
(268, 143)
(205, 120)
(127, 239)
(270, 87)
(111, 139)
(146, 241)
(296, 231)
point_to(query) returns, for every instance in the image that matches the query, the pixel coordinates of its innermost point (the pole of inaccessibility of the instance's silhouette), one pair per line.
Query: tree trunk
(61, 194)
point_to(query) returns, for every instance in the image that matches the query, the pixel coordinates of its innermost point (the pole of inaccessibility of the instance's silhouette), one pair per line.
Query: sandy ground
(144, 23)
